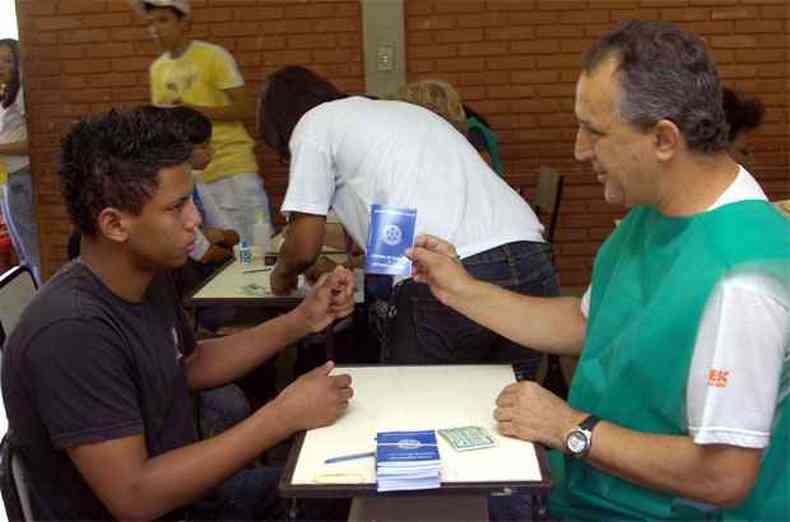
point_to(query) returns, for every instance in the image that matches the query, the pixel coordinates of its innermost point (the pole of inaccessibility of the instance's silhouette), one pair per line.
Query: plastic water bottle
(245, 254)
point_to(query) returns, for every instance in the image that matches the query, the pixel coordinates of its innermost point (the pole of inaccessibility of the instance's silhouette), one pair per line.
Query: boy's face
(202, 154)
(163, 234)
(167, 27)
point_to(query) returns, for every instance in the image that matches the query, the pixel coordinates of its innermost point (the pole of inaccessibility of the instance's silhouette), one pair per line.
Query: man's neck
(116, 270)
(180, 49)
(694, 184)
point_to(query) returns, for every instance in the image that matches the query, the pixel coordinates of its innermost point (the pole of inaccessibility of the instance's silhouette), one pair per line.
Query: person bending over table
(98, 374)
(680, 400)
(349, 152)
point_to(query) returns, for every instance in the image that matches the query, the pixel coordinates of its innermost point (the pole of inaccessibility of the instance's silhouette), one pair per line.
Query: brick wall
(516, 62)
(86, 56)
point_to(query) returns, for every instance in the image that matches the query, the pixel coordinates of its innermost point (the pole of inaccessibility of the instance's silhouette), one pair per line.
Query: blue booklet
(390, 234)
(407, 460)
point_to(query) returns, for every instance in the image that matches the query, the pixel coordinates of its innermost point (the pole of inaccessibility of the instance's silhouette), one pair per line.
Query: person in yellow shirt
(205, 77)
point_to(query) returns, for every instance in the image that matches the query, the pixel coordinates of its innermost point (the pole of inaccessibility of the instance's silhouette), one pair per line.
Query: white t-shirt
(742, 351)
(350, 153)
(13, 129)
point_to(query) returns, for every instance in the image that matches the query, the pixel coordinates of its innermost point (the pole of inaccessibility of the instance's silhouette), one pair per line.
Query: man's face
(167, 28)
(202, 154)
(620, 153)
(161, 237)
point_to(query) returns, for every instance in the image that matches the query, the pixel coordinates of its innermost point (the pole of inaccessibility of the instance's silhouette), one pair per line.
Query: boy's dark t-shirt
(84, 366)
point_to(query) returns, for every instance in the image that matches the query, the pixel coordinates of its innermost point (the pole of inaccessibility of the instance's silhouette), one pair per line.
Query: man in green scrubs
(679, 406)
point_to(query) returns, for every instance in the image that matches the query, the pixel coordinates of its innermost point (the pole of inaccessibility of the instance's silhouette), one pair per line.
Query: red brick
(733, 42)
(257, 13)
(483, 49)
(57, 23)
(433, 51)
(472, 35)
(758, 26)
(562, 5)
(107, 20)
(460, 64)
(510, 33)
(770, 12)
(734, 13)
(706, 28)
(541, 46)
(535, 77)
(79, 6)
(431, 23)
(760, 55)
(511, 62)
(685, 14)
(456, 6)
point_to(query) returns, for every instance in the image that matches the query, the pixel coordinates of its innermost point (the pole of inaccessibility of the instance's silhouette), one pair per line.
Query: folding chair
(17, 288)
(548, 195)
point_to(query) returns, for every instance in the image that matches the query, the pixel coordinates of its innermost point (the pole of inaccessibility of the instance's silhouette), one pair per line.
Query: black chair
(17, 288)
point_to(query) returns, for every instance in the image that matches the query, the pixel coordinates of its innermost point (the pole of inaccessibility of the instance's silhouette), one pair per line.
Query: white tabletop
(394, 398)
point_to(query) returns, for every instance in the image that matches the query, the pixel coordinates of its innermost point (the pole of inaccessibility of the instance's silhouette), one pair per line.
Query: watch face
(577, 442)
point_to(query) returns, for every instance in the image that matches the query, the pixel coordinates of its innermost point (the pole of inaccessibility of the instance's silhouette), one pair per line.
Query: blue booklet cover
(390, 234)
(404, 447)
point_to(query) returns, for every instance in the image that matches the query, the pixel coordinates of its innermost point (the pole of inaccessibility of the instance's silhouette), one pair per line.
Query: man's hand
(315, 399)
(281, 282)
(526, 410)
(436, 263)
(331, 298)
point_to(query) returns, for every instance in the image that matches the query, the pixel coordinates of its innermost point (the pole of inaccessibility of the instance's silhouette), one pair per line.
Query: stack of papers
(407, 460)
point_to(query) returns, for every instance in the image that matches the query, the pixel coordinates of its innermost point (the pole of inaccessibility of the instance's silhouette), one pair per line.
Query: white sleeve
(584, 306)
(311, 178)
(741, 347)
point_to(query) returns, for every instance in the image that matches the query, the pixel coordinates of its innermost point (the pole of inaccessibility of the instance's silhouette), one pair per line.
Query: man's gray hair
(665, 72)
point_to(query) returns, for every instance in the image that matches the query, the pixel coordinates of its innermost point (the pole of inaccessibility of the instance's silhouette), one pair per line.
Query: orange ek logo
(718, 378)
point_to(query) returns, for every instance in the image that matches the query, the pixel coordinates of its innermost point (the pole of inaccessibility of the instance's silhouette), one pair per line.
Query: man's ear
(113, 224)
(667, 140)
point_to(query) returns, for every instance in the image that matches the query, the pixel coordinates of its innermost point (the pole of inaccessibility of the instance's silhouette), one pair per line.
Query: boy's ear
(113, 224)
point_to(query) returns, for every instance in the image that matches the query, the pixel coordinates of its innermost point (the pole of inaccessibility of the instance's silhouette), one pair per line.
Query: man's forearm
(219, 361)
(549, 324)
(716, 474)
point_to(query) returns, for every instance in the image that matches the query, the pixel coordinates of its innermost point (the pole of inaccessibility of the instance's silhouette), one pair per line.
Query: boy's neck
(180, 49)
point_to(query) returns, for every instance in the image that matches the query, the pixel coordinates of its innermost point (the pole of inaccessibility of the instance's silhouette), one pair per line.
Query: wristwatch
(578, 441)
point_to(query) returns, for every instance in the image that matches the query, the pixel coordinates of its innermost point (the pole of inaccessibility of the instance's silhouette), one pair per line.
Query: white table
(416, 398)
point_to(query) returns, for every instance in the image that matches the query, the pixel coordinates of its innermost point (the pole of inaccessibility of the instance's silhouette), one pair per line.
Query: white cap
(179, 5)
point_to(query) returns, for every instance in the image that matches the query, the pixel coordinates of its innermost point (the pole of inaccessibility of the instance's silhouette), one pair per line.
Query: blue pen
(353, 456)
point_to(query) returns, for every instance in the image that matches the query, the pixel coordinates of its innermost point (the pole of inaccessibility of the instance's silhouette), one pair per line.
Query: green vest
(651, 281)
(491, 145)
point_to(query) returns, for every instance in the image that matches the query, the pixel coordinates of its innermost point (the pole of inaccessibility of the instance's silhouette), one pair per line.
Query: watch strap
(589, 422)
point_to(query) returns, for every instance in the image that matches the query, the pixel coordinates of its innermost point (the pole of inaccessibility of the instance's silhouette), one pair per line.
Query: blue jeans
(20, 216)
(424, 331)
(250, 494)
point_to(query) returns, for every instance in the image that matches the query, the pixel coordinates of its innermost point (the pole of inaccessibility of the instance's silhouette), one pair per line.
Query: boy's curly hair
(114, 159)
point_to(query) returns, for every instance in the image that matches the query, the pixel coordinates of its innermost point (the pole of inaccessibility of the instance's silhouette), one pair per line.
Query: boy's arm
(134, 486)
